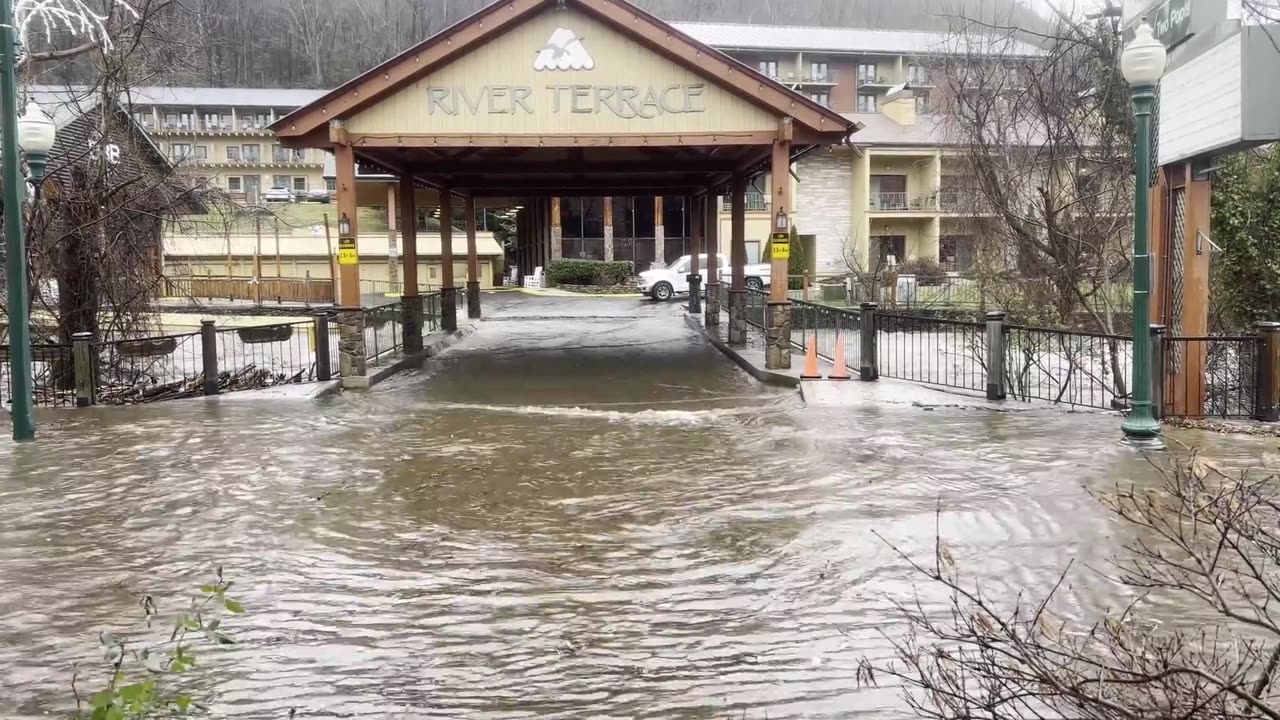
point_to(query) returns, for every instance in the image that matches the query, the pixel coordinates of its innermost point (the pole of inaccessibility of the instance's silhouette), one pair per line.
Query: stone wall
(824, 204)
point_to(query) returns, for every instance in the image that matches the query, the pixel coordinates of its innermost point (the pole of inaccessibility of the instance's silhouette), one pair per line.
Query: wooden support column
(557, 232)
(352, 359)
(608, 229)
(778, 321)
(411, 298)
(694, 220)
(448, 288)
(393, 235)
(711, 224)
(409, 234)
(659, 232)
(738, 261)
(349, 273)
(473, 262)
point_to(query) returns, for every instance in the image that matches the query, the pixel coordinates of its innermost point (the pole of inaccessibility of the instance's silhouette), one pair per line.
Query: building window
(298, 155)
(233, 153)
(179, 151)
(916, 75)
(145, 119)
(957, 253)
(894, 246)
(280, 181)
(432, 272)
(171, 120)
(769, 67)
(299, 184)
(200, 152)
(251, 153)
(331, 184)
(235, 184)
(820, 72)
(823, 99)
(922, 104)
(279, 153)
(867, 73)
(866, 103)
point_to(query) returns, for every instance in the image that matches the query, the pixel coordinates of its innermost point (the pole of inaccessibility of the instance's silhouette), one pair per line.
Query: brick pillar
(351, 350)
(411, 317)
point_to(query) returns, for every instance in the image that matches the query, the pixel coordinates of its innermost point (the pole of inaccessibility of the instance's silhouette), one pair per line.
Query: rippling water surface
(583, 511)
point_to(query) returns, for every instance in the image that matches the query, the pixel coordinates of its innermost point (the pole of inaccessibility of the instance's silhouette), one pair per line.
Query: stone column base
(411, 317)
(777, 352)
(695, 293)
(473, 299)
(449, 309)
(737, 317)
(712, 305)
(353, 360)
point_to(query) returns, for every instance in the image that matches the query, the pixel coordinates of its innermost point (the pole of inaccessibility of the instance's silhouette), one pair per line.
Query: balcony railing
(904, 202)
(757, 202)
(830, 77)
(961, 200)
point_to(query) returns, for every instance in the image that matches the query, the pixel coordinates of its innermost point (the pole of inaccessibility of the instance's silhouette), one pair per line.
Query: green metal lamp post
(1143, 63)
(15, 242)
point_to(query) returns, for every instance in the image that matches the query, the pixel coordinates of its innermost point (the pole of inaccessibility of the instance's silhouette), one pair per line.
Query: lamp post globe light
(1142, 63)
(36, 134)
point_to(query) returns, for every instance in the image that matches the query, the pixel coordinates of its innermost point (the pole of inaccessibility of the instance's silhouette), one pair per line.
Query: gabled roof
(736, 36)
(623, 17)
(204, 97)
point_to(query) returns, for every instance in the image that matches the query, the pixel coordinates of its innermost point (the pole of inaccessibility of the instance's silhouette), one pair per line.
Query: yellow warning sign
(347, 254)
(780, 249)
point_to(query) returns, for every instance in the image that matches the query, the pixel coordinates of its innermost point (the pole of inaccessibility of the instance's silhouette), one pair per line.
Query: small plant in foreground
(152, 680)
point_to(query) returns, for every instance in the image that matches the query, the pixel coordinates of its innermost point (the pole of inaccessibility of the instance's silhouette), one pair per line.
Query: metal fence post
(869, 368)
(82, 355)
(1268, 381)
(209, 352)
(324, 369)
(995, 355)
(1158, 375)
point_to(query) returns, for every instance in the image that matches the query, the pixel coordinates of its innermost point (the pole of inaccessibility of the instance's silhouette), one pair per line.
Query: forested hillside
(320, 43)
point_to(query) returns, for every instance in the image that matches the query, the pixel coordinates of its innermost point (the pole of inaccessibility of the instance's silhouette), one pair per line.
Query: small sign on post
(780, 247)
(347, 254)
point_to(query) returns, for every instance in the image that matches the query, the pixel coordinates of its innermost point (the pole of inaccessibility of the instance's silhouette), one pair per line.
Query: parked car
(318, 195)
(277, 193)
(665, 283)
(757, 276)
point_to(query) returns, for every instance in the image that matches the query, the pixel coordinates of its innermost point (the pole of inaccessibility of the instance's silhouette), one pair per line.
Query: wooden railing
(310, 291)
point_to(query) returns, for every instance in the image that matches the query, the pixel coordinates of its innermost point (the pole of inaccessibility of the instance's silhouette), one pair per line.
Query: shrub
(589, 272)
(926, 270)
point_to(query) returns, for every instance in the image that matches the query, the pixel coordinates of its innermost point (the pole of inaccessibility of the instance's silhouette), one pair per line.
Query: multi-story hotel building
(895, 191)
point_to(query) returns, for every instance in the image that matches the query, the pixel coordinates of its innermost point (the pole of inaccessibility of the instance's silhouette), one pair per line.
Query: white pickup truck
(666, 283)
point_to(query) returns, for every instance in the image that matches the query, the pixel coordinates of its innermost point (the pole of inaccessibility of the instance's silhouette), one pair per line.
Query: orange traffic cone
(838, 369)
(811, 371)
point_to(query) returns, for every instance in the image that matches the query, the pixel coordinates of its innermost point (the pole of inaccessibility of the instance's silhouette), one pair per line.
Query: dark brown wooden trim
(388, 140)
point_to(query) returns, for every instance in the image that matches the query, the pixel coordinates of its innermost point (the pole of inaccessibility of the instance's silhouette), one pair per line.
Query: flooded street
(581, 511)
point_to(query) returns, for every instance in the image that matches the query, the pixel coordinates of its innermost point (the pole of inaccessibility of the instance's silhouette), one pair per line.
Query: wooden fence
(310, 291)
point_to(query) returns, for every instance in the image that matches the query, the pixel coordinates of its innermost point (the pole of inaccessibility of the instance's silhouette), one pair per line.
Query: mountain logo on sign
(564, 51)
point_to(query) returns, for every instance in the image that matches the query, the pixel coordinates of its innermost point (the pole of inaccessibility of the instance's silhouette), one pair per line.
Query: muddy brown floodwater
(582, 511)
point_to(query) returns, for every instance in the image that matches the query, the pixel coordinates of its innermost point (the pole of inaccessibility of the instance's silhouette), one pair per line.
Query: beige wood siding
(496, 90)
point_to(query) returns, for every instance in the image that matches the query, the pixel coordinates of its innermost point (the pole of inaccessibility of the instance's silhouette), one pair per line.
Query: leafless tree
(1204, 539)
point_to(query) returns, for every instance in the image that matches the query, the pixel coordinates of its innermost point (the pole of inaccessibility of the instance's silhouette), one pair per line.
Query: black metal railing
(757, 307)
(830, 327)
(265, 356)
(148, 369)
(951, 353)
(383, 331)
(52, 375)
(431, 309)
(1212, 376)
(1067, 367)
